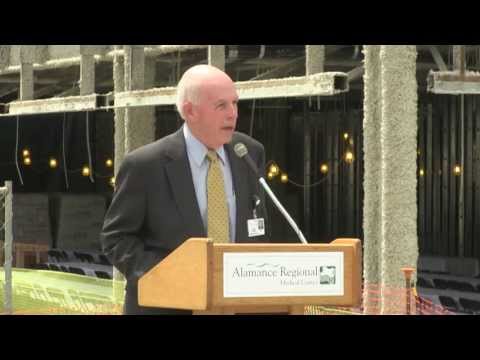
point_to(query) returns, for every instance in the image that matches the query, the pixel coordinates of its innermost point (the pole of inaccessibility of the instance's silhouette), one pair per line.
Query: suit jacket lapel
(181, 183)
(241, 193)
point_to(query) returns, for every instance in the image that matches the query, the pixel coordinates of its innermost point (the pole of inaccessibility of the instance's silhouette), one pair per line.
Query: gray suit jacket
(154, 208)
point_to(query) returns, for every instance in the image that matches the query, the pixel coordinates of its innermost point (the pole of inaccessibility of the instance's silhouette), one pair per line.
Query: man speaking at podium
(187, 184)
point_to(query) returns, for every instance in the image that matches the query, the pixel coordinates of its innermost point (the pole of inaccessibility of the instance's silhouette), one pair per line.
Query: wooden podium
(192, 277)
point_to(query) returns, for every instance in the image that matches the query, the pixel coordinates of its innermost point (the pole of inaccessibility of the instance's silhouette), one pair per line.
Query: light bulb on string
(27, 161)
(270, 176)
(86, 171)
(349, 157)
(53, 163)
(324, 168)
(274, 169)
(284, 178)
(422, 172)
(457, 170)
(112, 181)
(109, 163)
(345, 136)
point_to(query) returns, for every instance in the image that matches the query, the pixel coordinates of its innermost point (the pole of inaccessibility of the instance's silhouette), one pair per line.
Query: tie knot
(212, 156)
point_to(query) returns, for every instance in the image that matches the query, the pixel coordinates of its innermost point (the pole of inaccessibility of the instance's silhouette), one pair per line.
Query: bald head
(207, 101)
(189, 87)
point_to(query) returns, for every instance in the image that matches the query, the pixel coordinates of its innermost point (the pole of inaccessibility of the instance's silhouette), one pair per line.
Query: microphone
(242, 152)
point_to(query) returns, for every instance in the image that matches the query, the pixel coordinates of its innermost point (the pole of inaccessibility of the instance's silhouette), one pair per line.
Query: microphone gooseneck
(242, 152)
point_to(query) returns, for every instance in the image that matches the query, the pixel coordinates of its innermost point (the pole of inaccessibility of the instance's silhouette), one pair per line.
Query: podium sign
(269, 274)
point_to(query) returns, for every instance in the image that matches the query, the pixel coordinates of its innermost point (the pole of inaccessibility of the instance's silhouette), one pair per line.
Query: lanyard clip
(256, 203)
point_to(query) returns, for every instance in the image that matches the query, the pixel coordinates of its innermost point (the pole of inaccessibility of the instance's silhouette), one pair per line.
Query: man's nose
(232, 111)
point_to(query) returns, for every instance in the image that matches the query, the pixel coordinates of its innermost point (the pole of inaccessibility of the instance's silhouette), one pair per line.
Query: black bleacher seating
(441, 283)
(460, 286)
(102, 274)
(433, 272)
(469, 305)
(76, 270)
(53, 267)
(55, 255)
(448, 303)
(84, 257)
(421, 282)
(41, 267)
(104, 260)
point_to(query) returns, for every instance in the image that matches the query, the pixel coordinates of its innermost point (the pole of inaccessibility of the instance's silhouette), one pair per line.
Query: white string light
(88, 149)
(252, 118)
(63, 150)
(51, 162)
(274, 170)
(16, 154)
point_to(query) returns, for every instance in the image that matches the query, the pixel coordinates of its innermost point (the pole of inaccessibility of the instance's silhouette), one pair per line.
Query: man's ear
(189, 111)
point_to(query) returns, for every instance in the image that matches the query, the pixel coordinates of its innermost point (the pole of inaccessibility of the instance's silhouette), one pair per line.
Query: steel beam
(452, 82)
(101, 54)
(322, 84)
(55, 105)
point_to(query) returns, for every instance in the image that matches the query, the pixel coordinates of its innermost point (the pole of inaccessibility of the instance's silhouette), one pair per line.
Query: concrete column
(119, 120)
(149, 111)
(459, 58)
(41, 53)
(118, 281)
(134, 127)
(390, 180)
(139, 122)
(315, 59)
(87, 70)
(134, 67)
(372, 226)
(216, 56)
(399, 163)
(4, 56)
(27, 58)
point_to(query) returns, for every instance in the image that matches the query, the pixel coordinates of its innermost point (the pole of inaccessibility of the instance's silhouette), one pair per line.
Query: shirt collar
(197, 150)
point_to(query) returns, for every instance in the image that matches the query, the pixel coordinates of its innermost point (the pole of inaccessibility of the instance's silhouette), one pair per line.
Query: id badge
(256, 227)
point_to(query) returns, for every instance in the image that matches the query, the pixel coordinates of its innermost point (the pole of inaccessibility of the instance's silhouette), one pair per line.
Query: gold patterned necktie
(218, 224)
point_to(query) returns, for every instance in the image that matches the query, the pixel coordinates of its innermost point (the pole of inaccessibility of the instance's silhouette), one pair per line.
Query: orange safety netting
(378, 300)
